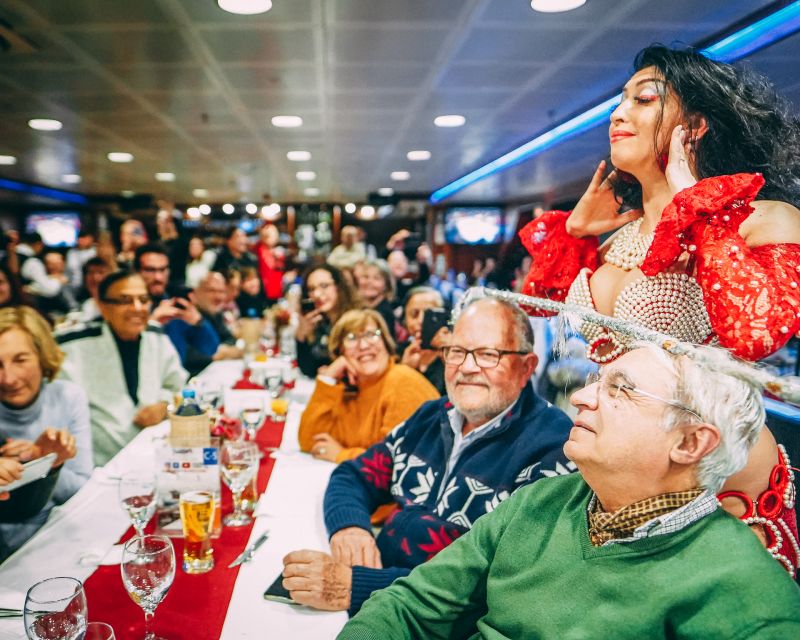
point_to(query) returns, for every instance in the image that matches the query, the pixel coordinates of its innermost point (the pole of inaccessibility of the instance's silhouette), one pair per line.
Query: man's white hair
(726, 394)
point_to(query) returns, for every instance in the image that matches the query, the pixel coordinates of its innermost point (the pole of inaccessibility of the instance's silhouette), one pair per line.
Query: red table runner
(196, 605)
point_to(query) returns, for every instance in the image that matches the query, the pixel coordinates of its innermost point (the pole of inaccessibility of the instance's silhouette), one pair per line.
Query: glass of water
(55, 609)
(148, 569)
(138, 495)
(238, 465)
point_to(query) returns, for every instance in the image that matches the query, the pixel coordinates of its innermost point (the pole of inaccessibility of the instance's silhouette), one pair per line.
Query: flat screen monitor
(58, 229)
(473, 225)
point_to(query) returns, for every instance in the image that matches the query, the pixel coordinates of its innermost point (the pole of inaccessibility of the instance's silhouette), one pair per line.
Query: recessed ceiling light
(228, 208)
(554, 6)
(386, 192)
(120, 156)
(287, 122)
(367, 212)
(193, 212)
(311, 191)
(400, 175)
(127, 193)
(165, 177)
(245, 7)
(299, 156)
(200, 193)
(270, 211)
(8, 160)
(251, 208)
(306, 175)
(350, 207)
(419, 154)
(71, 178)
(45, 124)
(453, 120)
(204, 209)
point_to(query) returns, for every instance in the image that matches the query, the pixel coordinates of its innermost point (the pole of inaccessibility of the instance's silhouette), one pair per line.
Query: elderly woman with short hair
(39, 414)
(363, 394)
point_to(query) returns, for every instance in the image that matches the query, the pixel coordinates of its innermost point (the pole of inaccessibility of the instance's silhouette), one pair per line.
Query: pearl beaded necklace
(629, 247)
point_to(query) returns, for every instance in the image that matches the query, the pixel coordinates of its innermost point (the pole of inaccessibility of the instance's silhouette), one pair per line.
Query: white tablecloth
(89, 524)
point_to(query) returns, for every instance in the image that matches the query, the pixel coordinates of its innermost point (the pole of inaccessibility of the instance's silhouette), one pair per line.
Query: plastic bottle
(188, 406)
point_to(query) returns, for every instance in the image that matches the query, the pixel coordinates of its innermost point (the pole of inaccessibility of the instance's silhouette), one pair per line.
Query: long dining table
(81, 539)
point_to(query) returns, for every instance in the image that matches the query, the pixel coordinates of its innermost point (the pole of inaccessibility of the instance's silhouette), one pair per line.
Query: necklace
(629, 247)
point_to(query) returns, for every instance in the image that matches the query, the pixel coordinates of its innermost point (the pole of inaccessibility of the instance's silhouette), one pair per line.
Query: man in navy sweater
(451, 462)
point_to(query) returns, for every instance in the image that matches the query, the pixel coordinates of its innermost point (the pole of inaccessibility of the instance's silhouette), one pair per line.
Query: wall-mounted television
(473, 225)
(58, 229)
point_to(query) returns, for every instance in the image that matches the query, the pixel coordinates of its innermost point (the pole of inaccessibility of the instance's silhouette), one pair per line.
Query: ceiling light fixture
(350, 207)
(299, 156)
(193, 213)
(127, 193)
(556, 6)
(367, 212)
(251, 208)
(45, 124)
(400, 175)
(120, 156)
(453, 120)
(8, 160)
(271, 211)
(312, 192)
(165, 177)
(418, 155)
(287, 122)
(228, 208)
(386, 192)
(754, 37)
(200, 193)
(71, 178)
(245, 7)
(306, 175)
(204, 209)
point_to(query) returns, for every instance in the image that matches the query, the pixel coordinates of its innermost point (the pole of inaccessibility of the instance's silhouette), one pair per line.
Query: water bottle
(188, 406)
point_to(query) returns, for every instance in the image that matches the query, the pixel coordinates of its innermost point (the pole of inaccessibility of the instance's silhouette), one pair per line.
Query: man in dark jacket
(451, 462)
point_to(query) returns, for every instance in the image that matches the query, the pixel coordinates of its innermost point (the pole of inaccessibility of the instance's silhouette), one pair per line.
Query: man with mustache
(454, 460)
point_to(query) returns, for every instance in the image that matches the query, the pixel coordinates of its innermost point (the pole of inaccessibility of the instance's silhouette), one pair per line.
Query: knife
(247, 554)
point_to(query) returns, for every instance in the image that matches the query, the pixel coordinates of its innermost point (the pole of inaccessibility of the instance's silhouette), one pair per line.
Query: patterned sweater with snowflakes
(435, 505)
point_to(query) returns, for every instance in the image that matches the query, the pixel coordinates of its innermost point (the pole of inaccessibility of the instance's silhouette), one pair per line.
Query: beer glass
(280, 407)
(238, 465)
(55, 609)
(148, 569)
(197, 517)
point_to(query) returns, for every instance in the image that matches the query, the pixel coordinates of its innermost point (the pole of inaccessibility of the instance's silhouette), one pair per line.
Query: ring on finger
(322, 451)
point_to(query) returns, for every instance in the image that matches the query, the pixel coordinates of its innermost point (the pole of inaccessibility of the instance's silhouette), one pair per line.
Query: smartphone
(307, 306)
(432, 321)
(277, 593)
(31, 472)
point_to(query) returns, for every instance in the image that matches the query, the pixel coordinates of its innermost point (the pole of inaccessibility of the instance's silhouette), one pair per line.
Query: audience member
(78, 256)
(326, 287)
(129, 369)
(362, 394)
(175, 242)
(427, 361)
(405, 279)
(38, 414)
(64, 301)
(270, 262)
(33, 273)
(11, 294)
(230, 310)
(251, 300)
(200, 262)
(349, 252)
(654, 440)
(376, 290)
(94, 270)
(450, 463)
(132, 235)
(234, 254)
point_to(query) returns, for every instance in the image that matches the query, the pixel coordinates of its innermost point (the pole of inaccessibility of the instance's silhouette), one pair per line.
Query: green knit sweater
(527, 570)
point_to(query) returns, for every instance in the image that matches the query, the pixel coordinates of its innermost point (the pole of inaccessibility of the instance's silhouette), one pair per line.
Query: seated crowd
(434, 531)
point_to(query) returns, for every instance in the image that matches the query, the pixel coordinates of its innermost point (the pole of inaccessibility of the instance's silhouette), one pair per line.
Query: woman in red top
(696, 256)
(270, 262)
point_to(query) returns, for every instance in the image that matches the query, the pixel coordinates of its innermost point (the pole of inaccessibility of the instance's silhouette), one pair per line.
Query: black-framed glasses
(485, 357)
(127, 301)
(615, 385)
(370, 337)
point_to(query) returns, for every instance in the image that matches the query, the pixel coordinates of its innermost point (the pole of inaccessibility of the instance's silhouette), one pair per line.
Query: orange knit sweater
(360, 420)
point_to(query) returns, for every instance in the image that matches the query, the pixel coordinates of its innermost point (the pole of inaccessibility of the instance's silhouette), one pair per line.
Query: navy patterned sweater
(408, 466)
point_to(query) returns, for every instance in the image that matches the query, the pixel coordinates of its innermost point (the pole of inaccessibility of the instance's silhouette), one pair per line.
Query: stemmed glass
(253, 416)
(274, 382)
(138, 495)
(55, 609)
(99, 631)
(238, 465)
(148, 569)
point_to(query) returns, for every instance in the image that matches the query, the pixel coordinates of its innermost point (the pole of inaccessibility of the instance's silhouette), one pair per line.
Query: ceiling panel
(123, 47)
(380, 46)
(269, 46)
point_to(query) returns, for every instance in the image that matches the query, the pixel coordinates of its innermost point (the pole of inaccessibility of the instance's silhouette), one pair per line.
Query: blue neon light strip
(55, 194)
(756, 36)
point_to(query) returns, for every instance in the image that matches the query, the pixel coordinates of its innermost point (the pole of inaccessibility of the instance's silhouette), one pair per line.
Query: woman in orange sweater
(363, 394)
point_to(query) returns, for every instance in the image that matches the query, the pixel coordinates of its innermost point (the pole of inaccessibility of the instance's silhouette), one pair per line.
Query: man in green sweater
(634, 546)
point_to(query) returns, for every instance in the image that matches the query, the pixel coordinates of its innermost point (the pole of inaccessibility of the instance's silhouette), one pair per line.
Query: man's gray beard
(484, 414)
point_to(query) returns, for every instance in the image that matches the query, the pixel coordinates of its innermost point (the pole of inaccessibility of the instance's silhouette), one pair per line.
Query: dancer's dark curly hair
(750, 127)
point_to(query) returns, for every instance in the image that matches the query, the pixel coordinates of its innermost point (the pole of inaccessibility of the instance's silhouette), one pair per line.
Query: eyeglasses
(370, 337)
(615, 384)
(127, 301)
(485, 358)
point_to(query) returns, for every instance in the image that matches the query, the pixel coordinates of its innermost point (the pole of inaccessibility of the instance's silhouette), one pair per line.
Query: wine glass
(148, 569)
(238, 465)
(55, 609)
(99, 631)
(138, 495)
(274, 382)
(252, 417)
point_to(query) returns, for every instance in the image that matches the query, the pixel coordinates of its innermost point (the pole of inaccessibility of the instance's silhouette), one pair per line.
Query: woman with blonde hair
(38, 414)
(363, 394)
